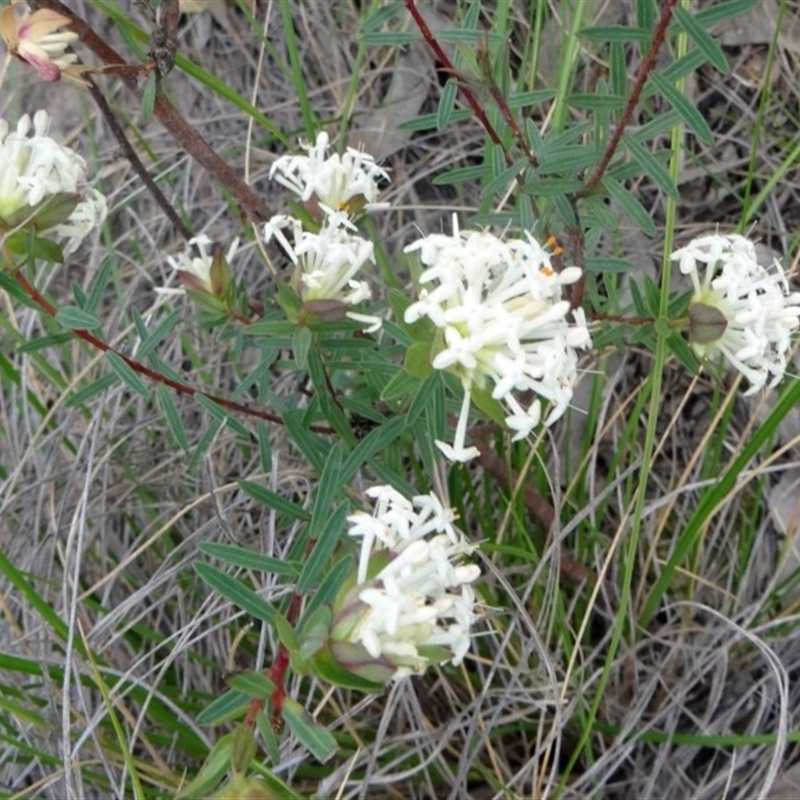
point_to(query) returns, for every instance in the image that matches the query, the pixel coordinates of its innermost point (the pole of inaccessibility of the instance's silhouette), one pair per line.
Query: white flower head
(194, 266)
(503, 322)
(739, 308)
(325, 264)
(39, 177)
(337, 184)
(412, 604)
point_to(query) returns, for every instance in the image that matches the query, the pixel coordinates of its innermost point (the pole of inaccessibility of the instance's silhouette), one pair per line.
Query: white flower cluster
(37, 175)
(335, 189)
(418, 600)
(739, 308)
(499, 307)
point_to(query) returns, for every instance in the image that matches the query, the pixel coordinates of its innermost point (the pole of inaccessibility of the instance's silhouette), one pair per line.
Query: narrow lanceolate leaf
(650, 166)
(126, 374)
(235, 591)
(689, 114)
(242, 557)
(463, 174)
(620, 34)
(722, 12)
(446, 104)
(324, 548)
(702, 38)
(274, 501)
(173, 417)
(319, 740)
(149, 97)
(630, 205)
(77, 319)
(330, 482)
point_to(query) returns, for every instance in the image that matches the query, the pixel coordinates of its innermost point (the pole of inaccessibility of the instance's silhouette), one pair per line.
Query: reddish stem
(645, 68)
(181, 388)
(277, 672)
(445, 61)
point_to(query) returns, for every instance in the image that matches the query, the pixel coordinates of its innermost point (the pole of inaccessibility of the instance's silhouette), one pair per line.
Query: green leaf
(77, 319)
(689, 114)
(149, 96)
(722, 12)
(651, 166)
(235, 591)
(329, 586)
(24, 243)
(301, 344)
(206, 440)
(317, 739)
(630, 205)
(223, 709)
(274, 501)
(424, 397)
(327, 668)
(389, 38)
(376, 441)
(242, 557)
(330, 482)
(620, 34)
(463, 174)
(417, 364)
(252, 684)
(212, 772)
(446, 104)
(88, 392)
(173, 417)
(504, 179)
(334, 530)
(99, 283)
(533, 98)
(221, 414)
(702, 38)
(618, 69)
(607, 264)
(331, 410)
(313, 447)
(286, 633)
(126, 374)
(152, 339)
(378, 18)
(592, 102)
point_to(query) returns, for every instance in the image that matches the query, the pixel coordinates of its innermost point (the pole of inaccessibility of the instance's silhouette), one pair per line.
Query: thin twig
(136, 162)
(188, 138)
(645, 68)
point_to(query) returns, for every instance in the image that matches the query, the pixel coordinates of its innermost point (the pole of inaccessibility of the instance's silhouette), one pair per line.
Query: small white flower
(326, 264)
(343, 185)
(419, 596)
(739, 308)
(194, 264)
(89, 213)
(503, 321)
(35, 168)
